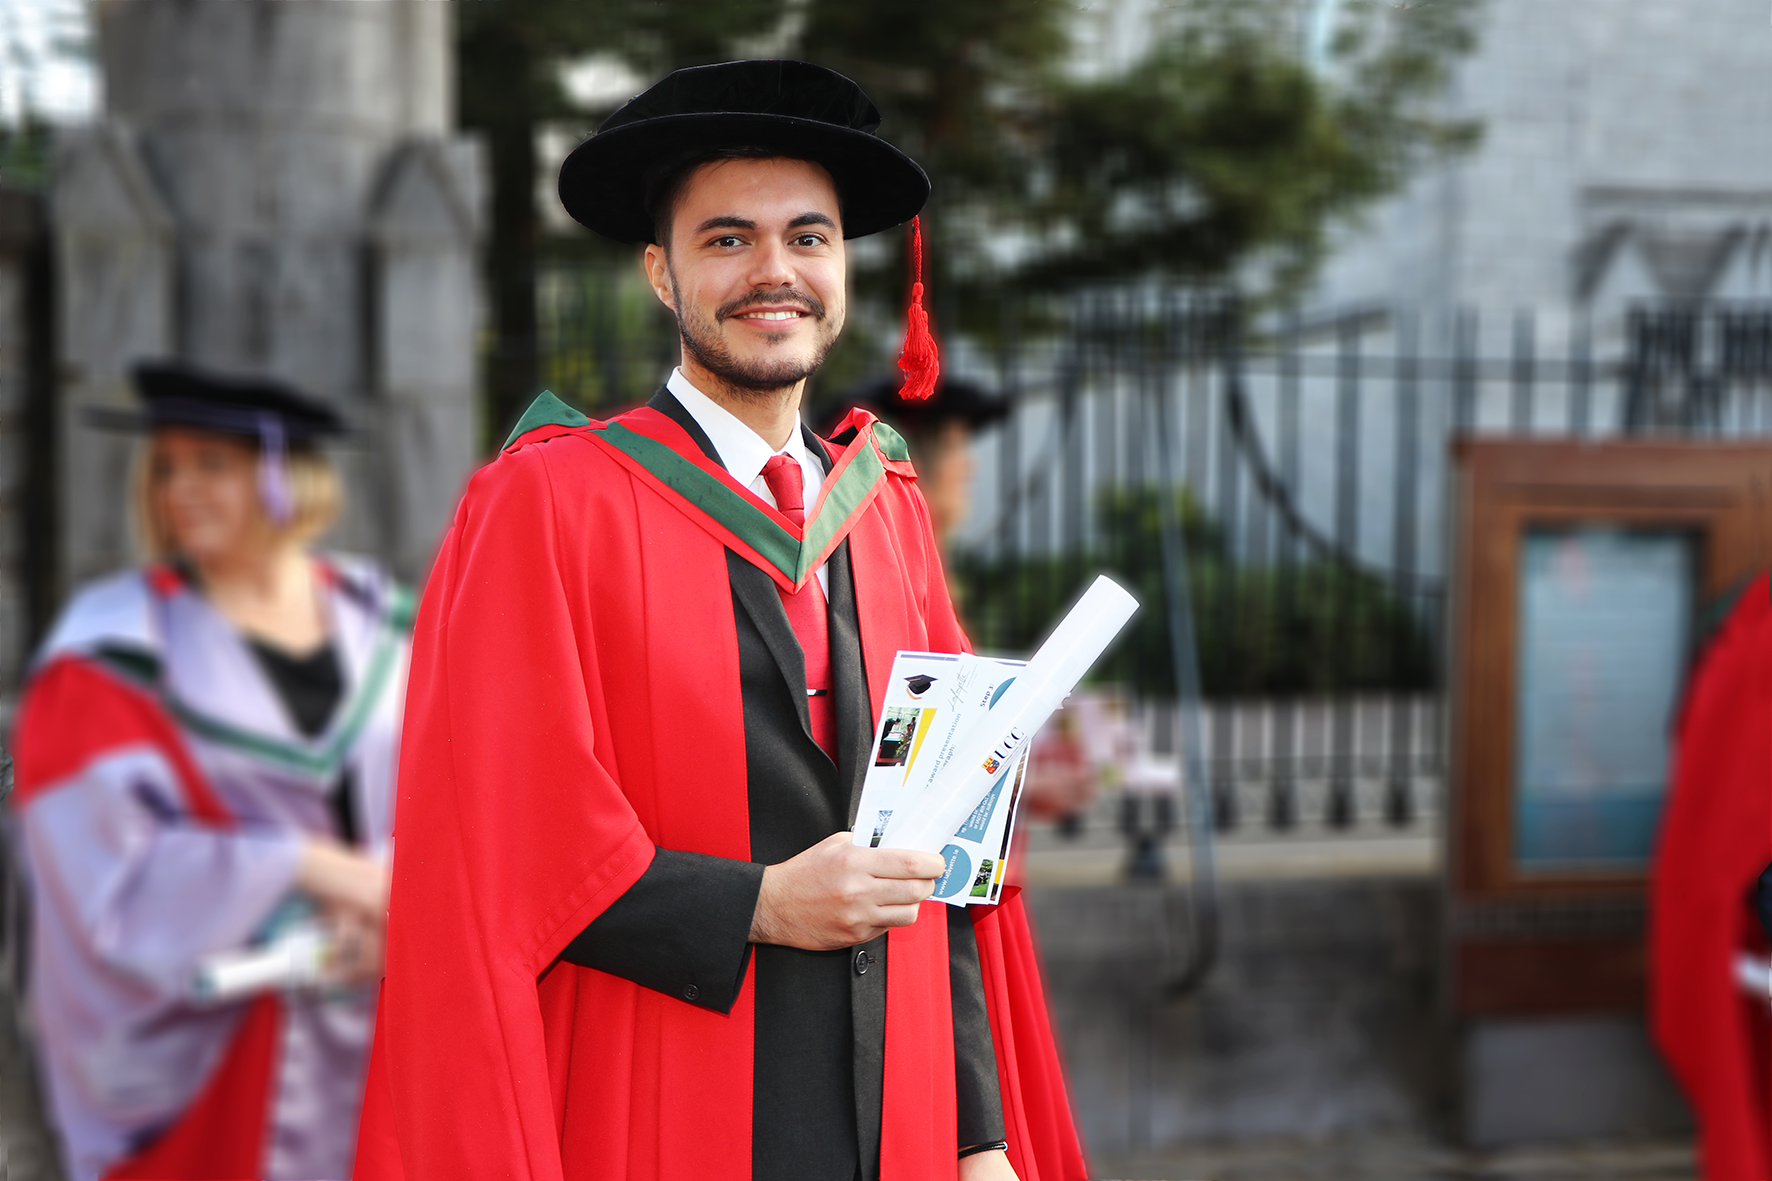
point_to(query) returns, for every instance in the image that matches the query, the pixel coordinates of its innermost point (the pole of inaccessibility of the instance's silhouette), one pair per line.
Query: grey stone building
(1627, 155)
(277, 188)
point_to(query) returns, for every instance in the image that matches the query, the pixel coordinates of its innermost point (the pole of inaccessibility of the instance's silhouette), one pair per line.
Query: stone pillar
(114, 242)
(273, 131)
(422, 234)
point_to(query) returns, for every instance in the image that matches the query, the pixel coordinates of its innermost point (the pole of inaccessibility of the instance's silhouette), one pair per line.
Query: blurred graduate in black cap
(940, 430)
(206, 751)
(632, 935)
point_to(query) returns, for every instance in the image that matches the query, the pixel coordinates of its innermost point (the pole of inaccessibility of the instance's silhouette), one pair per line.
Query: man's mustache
(808, 303)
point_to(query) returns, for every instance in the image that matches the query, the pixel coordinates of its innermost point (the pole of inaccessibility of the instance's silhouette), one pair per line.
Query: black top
(311, 688)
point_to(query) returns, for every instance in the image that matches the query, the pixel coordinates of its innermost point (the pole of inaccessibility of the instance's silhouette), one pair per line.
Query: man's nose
(771, 265)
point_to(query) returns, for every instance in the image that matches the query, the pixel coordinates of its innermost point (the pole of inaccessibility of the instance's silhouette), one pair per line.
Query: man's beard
(701, 339)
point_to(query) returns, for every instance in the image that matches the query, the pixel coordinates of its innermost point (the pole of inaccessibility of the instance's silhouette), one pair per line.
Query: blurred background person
(1708, 997)
(940, 431)
(206, 749)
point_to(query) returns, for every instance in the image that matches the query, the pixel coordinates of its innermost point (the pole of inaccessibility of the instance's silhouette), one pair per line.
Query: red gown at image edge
(491, 1060)
(1715, 838)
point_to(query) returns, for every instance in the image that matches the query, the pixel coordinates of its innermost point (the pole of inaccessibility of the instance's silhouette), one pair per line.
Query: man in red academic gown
(1715, 839)
(630, 937)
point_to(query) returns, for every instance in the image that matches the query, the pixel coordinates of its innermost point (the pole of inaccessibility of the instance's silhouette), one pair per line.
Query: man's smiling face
(754, 271)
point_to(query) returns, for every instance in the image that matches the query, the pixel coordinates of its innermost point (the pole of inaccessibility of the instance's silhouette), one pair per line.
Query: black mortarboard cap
(954, 398)
(799, 108)
(919, 684)
(177, 394)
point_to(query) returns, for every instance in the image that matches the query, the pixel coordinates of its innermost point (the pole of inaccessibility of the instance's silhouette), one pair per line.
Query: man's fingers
(905, 863)
(896, 916)
(900, 891)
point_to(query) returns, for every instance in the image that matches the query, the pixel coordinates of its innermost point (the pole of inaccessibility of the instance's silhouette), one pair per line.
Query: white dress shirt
(743, 451)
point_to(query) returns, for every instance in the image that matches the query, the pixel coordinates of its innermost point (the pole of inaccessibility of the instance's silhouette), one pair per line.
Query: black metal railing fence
(1312, 474)
(1305, 461)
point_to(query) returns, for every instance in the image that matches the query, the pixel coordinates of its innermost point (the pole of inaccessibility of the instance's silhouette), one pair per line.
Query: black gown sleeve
(683, 929)
(978, 1104)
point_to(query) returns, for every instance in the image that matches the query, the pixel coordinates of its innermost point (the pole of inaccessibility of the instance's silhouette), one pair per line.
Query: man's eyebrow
(811, 219)
(725, 223)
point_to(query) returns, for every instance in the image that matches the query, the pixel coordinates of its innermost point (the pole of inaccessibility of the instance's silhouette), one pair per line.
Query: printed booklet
(935, 700)
(952, 745)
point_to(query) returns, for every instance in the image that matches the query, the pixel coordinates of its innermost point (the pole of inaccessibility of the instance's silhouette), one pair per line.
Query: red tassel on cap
(919, 360)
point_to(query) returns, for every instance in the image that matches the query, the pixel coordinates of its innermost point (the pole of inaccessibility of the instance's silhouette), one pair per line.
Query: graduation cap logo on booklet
(948, 762)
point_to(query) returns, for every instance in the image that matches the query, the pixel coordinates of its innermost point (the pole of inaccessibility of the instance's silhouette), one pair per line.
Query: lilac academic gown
(131, 890)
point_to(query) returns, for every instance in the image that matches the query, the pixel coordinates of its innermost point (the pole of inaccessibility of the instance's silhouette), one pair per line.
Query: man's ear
(657, 265)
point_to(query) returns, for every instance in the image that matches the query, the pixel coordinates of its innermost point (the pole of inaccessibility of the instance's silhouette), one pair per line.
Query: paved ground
(1096, 856)
(1051, 862)
(1400, 1160)
(1366, 857)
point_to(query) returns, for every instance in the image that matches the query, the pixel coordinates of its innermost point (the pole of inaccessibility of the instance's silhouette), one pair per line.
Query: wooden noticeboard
(1583, 574)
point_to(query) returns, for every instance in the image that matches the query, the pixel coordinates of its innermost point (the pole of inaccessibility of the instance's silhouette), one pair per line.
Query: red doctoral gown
(575, 704)
(1716, 837)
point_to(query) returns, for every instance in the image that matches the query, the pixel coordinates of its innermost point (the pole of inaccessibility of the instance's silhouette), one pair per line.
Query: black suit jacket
(682, 929)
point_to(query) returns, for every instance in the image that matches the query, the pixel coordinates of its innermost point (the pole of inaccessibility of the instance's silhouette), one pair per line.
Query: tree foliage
(1226, 154)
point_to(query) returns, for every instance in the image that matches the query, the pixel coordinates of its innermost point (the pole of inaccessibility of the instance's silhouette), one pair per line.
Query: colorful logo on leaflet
(1003, 751)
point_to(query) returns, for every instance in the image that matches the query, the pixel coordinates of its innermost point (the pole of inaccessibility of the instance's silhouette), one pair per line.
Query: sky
(43, 67)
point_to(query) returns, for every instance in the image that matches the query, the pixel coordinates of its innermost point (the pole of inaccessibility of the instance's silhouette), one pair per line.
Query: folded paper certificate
(986, 742)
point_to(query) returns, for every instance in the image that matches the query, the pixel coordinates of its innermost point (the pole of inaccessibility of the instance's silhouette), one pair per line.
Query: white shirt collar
(742, 450)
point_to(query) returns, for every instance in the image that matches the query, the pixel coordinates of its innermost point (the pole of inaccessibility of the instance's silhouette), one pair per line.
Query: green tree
(26, 153)
(1225, 155)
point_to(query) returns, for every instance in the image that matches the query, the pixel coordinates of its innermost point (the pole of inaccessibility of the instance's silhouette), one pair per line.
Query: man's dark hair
(665, 187)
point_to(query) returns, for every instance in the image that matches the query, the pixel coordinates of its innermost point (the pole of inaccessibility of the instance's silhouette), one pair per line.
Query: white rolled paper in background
(988, 751)
(296, 959)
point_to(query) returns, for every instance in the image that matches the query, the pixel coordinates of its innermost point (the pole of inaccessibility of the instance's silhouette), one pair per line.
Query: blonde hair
(314, 486)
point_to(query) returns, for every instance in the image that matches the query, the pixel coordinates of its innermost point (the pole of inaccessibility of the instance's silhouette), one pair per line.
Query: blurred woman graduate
(1708, 996)
(205, 756)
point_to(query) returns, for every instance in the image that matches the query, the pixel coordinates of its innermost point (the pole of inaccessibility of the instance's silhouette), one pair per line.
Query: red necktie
(806, 606)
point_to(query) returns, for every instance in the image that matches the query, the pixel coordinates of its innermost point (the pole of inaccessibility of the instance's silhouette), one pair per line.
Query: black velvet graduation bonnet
(801, 109)
(953, 398)
(173, 393)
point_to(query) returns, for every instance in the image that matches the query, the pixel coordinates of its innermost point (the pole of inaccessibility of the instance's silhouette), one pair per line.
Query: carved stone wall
(275, 188)
(1627, 154)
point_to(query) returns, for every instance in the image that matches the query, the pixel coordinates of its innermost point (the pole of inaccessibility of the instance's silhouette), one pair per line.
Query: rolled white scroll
(989, 750)
(295, 959)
